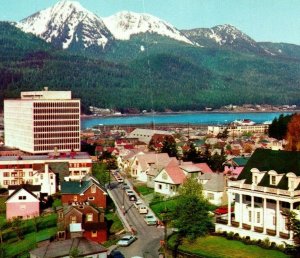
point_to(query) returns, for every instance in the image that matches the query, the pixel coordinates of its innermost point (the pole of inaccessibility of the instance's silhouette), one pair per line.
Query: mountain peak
(67, 23)
(124, 24)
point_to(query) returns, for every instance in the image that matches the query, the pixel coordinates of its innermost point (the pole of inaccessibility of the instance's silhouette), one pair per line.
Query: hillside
(149, 71)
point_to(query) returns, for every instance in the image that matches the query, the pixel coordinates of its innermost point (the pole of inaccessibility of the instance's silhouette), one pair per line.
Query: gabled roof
(18, 190)
(215, 183)
(176, 174)
(29, 188)
(204, 168)
(160, 159)
(282, 162)
(63, 248)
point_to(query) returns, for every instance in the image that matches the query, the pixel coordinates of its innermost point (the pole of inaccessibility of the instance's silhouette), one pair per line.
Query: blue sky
(263, 20)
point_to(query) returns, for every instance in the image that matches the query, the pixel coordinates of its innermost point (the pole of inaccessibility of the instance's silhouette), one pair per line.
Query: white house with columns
(266, 189)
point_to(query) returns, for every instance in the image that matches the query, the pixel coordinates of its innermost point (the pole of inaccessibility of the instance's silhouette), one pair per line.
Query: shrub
(230, 235)
(236, 236)
(247, 240)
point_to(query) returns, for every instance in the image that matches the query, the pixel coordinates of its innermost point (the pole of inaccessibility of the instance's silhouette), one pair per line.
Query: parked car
(150, 219)
(116, 254)
(132, 197)
(126, 240)
(129, 191)
(143, 209)
(120, 180)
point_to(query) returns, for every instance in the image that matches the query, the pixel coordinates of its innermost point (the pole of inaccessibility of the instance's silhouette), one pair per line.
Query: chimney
(45, 88)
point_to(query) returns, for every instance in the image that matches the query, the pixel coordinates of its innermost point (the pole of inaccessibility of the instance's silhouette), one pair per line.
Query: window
(91, 198)
(255, 180)
(94, 233)
(61, 234)
(258, 217)
(273, 180)
(75, 199)
(250, 215)
(6, 174)
(89, 217)
(73, 219)
(210, 196)
(159, 186)
(60, 215)
(22, 197)
(6, 182)
(93, 189)
(30, 173)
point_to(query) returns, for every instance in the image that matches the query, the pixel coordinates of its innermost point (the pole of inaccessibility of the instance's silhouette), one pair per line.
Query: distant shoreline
(188, 112)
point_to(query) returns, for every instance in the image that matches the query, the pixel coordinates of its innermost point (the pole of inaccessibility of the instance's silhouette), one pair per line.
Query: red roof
(204, 167)
(176, 174)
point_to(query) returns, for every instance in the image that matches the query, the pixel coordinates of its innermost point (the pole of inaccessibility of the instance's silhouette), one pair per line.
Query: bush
(230, 235)
(236, 236)
(247, 240)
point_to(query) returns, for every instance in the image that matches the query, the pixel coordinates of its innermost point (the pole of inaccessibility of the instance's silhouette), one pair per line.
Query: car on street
(150, 219)
(129, 191)
(132, 197)
(120, 180)
(143, 209)
(126, 240)
(116, 254)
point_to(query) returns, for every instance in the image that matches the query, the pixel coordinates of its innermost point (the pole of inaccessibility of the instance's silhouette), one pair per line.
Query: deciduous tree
(293, 133)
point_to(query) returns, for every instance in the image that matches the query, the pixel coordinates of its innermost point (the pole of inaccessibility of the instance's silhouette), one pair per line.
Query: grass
(220, 247)
(144, 190)
(162, 206)
(114, 224)
(29, 242)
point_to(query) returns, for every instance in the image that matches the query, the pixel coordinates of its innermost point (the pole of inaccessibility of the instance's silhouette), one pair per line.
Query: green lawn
(29, 242)
(114, 224)
(144, 190)
(162, 206)
(220, 247)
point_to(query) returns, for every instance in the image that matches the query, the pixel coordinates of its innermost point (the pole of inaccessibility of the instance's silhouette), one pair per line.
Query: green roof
(265, 160)
(240, 161)
(75, 187)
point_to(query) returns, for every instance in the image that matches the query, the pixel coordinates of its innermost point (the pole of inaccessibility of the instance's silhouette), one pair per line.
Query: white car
(143, 209)
(126, 240)
(150, 220)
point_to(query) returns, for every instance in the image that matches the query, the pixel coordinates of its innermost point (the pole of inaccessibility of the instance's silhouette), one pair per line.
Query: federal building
(42, 122)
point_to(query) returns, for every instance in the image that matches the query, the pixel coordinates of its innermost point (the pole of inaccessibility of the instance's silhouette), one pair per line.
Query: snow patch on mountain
(125, 24)
(67, 21)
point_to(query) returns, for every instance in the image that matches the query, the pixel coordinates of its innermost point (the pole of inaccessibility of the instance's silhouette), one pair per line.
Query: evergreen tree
(169, 146)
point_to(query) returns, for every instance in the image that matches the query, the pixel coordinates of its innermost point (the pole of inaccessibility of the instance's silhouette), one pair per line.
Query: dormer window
(255, 180)
(273, 180)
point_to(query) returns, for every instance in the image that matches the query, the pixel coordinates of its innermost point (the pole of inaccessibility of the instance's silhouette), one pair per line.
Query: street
(148, 237)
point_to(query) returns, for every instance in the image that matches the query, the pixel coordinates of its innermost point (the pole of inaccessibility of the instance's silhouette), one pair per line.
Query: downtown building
(42, 121)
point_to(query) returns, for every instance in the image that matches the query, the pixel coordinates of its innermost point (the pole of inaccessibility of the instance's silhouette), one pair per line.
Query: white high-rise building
(42, 122)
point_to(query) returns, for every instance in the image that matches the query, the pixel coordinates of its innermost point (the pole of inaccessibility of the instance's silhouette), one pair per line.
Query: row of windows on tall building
(56, 117)
(55, 135)
(56, 122)
(55, 104)
(47, 129)
(61, 147)
(56, 111)
(56, 141)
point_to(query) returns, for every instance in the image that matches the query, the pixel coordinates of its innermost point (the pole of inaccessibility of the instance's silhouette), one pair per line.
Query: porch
(256, 234)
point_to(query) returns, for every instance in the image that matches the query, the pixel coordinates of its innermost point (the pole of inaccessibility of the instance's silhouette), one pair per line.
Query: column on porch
(241, 211)
(252, 213)
(265, 215)
(229, 208)
(277, 217)
(291, 231)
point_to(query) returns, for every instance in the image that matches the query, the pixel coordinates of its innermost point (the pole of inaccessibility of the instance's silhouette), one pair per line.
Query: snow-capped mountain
(224, 36)
(125, 24)
(67, 23)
